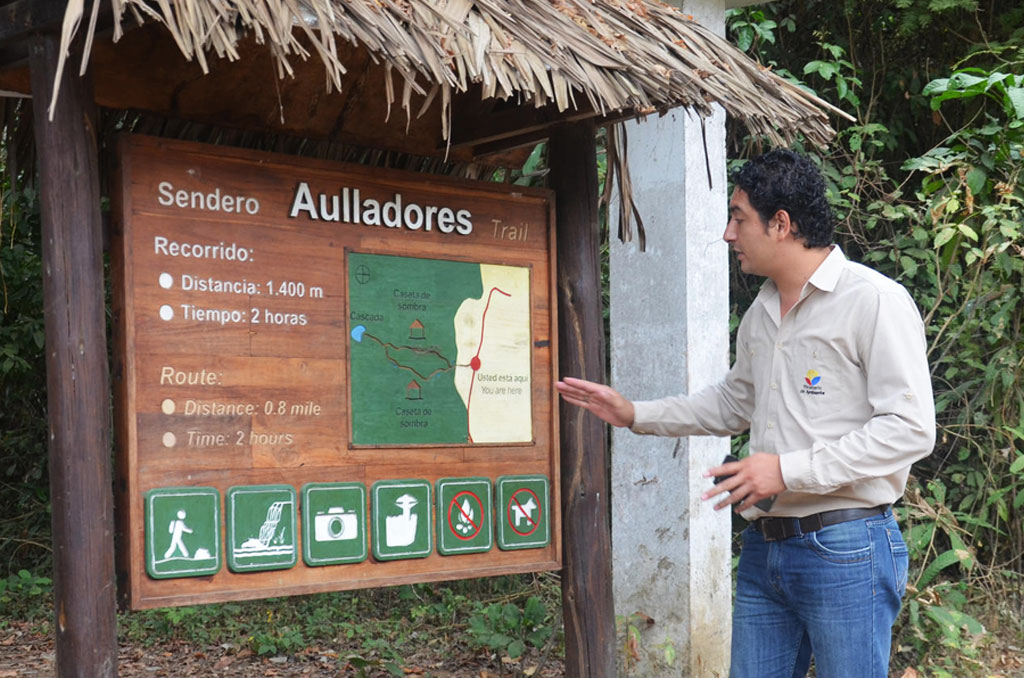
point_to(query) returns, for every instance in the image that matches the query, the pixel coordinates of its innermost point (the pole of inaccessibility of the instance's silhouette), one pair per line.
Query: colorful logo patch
(812, 378)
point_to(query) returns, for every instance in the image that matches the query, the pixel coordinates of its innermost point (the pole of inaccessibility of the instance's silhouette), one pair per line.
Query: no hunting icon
(524, 501)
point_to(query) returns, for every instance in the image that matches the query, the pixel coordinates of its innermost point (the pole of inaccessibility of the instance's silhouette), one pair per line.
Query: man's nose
(730, 233)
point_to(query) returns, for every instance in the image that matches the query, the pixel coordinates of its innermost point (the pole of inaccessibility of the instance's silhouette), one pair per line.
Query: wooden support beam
(76, 367)
(19, 18)
(586, 578)
(491, 126)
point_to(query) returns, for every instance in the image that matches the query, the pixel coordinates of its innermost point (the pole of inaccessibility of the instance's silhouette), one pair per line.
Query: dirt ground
(24, 654)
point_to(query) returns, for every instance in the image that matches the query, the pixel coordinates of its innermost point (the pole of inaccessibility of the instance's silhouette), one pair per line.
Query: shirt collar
(824, 278)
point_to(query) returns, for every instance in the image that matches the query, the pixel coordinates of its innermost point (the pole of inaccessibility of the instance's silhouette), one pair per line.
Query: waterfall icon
(271, 540)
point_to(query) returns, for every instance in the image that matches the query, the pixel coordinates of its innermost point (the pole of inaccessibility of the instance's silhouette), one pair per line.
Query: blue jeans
(833, 593)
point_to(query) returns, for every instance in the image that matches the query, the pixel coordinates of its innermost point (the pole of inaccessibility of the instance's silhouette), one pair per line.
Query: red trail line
(480, 346)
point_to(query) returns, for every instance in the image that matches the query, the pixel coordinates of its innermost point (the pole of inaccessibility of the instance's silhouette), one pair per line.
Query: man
(831, 379)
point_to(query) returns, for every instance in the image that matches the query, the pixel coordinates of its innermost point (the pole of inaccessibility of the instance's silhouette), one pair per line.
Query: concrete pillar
(669, 335)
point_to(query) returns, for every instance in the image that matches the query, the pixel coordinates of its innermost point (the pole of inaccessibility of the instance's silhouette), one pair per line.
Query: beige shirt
(839, 388)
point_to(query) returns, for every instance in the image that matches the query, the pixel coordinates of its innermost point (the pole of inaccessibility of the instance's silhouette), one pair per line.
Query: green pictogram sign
(401, 519)
(261, 527)
(334, 523)
(464, 516)
(182, 532)
(525, 519)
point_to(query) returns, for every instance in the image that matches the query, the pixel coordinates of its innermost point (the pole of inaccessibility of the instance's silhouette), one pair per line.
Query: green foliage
(1006, 89)
(935, 613)
(750, 27)
(916, 16)
(283, 640)
(21, 595)
(369, 631)
(507, 627)
(24, 499)
(837, 71)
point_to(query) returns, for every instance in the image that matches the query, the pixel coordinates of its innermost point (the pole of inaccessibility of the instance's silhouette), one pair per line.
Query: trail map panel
(292, 333)
(441, 357)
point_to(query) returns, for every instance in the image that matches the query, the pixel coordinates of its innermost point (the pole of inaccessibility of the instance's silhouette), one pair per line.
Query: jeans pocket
(842, 543)
(900, 558)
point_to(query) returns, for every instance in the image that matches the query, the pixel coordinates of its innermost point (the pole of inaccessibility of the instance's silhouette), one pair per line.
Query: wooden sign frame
(208, 240)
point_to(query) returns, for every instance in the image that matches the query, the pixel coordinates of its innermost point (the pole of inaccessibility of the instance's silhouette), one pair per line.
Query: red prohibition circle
(508, 512)
(455, 503)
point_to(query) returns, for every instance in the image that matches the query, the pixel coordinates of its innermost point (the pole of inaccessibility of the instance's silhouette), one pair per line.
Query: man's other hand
(603, 401)
(753, 478)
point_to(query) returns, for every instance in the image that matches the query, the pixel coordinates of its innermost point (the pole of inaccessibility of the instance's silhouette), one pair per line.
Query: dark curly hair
(784, 180)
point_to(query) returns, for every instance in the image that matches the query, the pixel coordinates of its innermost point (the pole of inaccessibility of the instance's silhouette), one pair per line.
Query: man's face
(749, 237)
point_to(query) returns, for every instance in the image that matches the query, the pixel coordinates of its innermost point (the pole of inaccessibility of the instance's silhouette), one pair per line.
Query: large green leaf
(976, 179)
(941, 562)
(1015, 95)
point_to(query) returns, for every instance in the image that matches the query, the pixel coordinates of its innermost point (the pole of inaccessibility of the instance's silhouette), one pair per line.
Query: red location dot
(475, 363)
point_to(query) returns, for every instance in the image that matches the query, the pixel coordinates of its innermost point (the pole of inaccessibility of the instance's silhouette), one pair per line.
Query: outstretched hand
(603, 401)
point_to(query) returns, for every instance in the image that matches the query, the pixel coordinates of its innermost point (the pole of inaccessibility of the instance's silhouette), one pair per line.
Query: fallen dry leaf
(911, 672)
(224, 662)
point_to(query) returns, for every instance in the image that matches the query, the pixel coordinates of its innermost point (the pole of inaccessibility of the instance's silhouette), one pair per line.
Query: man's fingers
(583, 393)
(727, 485)
(581, 398)
(574, 390)
(731, 468)
(736, 495)
(601, 400)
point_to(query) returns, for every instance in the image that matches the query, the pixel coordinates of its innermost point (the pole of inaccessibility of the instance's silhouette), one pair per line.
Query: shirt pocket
(821, 379)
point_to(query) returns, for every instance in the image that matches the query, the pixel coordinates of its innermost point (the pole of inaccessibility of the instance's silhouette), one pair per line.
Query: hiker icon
(176, 528)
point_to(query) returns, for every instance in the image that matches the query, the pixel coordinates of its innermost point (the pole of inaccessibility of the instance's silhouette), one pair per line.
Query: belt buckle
(773, 529)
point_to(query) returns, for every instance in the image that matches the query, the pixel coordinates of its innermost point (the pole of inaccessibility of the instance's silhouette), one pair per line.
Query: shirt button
(778, 345)
(775, 387)
(770, 425)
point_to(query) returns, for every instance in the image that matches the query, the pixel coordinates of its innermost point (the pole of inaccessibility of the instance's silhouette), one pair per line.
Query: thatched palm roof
(637, 56)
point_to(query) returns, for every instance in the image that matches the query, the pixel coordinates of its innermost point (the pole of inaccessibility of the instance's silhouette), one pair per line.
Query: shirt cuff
(643, 417)
(796, 470)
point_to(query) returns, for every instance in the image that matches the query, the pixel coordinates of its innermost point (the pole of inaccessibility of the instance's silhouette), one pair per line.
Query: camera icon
(335, 524)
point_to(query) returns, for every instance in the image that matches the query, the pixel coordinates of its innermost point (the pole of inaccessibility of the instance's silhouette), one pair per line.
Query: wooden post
(586, 532)
(76, 367)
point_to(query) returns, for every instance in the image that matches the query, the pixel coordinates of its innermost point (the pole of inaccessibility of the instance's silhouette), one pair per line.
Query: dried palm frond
(637, 56)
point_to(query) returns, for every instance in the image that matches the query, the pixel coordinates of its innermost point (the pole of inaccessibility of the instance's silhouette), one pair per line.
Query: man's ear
(782, 225)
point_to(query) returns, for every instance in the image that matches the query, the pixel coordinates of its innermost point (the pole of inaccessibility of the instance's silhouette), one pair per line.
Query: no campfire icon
(467, 522)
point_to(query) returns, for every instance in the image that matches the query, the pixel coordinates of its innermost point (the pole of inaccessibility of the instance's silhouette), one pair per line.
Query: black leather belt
(774, 529)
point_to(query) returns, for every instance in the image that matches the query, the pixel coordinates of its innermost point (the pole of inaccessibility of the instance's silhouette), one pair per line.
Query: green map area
(403, 348)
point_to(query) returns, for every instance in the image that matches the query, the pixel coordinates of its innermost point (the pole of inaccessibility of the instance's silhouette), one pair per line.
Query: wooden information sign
(322, 373)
